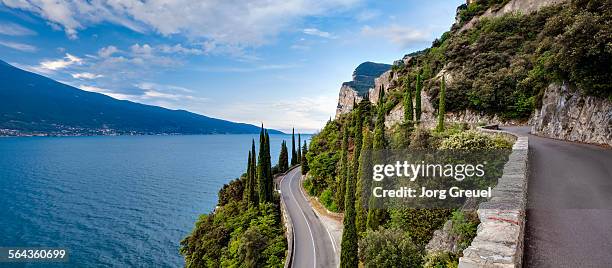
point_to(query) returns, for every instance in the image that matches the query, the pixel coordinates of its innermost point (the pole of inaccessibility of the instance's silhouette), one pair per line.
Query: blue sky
(280, 62)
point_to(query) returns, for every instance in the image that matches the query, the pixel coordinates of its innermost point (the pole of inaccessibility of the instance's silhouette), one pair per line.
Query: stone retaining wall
(500, 236)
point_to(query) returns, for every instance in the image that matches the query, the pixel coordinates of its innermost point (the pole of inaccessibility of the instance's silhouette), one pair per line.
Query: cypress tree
(247, 192)
(379, 126)
(342, 174)
(264, 169)
(299, 150)
(348, 255)
(293, 152)
(304, 162)
(253, 176)
(358, 125)
(261, 167)
(441, 106)
(417, 100)
(408, 107)
(283, 158)
(269, 179)
(363, 181)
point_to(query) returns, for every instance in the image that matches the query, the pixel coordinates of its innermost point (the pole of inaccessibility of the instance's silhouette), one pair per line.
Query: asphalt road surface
(313, 245)
(569, 215)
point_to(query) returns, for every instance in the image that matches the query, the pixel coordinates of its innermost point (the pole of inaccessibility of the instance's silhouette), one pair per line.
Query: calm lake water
(115, 201)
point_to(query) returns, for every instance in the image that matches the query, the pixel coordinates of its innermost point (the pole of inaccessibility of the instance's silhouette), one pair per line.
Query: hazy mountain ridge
(34, 104)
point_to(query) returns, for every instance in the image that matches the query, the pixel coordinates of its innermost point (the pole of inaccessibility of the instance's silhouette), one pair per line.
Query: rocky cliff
(568, 114)
(363, 79)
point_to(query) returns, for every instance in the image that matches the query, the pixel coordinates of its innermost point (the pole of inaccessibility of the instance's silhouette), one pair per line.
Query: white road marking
(307, 224)
(325, 227)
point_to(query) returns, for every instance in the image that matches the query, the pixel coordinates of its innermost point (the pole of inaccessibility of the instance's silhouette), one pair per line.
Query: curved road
(569, 215)
(312, 242)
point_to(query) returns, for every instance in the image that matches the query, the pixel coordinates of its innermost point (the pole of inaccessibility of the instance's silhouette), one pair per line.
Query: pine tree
(293, 152)
(441, 106)
(408, 107)
(299, 150)
(304, 162)
(363, 181)
(342, 174)
(348, 255)
(417, 100)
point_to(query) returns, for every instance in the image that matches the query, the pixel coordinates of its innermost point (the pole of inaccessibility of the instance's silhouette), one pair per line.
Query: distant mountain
(364, 75)
(34, 104)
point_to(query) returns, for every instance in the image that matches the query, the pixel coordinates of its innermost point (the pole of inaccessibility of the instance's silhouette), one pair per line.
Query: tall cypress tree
(264, 169)
(417, 100)
(363, 181)
(379, 126)
(348, 255)
(299, 150)
(376, 214)
(283, 158)
(408, 107)
(293, 152)
(261, 167)
(304, 162)
(441, 106)
(269, 179)
(342, 174)
(253, 176)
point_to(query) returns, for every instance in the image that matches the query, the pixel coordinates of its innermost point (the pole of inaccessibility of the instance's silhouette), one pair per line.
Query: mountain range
(34, 104)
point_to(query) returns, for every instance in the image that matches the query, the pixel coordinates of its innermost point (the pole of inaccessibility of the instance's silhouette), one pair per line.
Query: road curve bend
(569, 208)
(312, 244)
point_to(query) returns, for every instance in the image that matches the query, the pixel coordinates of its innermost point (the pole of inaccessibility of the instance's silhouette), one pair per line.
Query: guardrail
(500, 237)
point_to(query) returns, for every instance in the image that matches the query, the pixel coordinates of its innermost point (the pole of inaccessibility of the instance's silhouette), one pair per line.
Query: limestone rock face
(514, 6)
(348, 97)
(570, 115)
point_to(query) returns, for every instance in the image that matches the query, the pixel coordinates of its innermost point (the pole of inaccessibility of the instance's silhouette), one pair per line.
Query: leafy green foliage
(418, 223)
(464, 227)
(232, 191)
(389, 248)
(441, 106)
(324, 156)
(236, 236)
(475, 140)
(327, 199)
(304, 160)
(441, 260)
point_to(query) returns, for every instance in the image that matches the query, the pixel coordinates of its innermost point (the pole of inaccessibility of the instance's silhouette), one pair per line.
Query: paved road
(313, 245)
(569, 216)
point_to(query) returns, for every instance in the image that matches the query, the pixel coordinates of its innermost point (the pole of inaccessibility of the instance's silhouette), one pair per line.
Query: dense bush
(441, 260)
(388, 248)
(474, 140)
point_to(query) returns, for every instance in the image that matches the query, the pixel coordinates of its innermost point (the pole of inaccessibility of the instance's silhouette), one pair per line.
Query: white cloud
(402, 36)
(234, 23)
(317, 32)
(18, 46)
(108, 51)
(86, 75)
(178, 48)
(53, 65)
(13, 29)
(306, 114)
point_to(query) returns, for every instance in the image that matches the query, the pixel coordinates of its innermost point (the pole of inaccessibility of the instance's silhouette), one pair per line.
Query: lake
(115, 201)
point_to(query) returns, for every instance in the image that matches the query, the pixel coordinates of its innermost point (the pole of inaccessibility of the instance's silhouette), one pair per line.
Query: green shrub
(389, 248)
(473, 140)
(441, 260)
(327, 199)
(464, 227)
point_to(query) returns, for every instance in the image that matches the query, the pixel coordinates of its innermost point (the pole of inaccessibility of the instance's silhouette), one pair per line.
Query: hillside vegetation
(502, 65)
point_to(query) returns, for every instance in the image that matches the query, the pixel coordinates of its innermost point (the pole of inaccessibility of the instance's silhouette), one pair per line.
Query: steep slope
(31, 104)
(501, 56)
